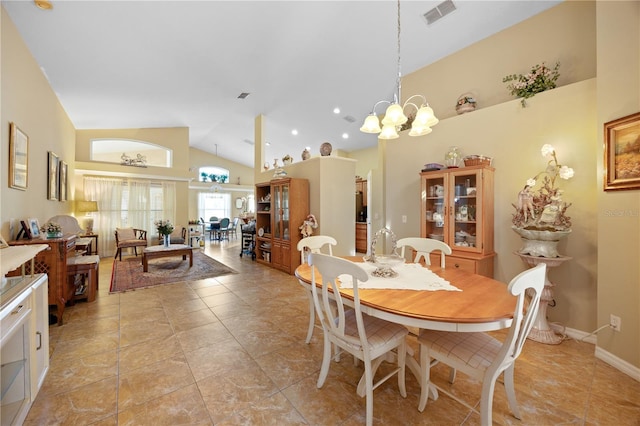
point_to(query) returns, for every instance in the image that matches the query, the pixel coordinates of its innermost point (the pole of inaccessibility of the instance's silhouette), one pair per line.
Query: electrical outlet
(615, 322)
(404, 218)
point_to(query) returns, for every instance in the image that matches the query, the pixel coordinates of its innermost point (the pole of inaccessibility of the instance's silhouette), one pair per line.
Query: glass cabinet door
(277, 211)
(435, 207)
(285, 212)
(464, 189)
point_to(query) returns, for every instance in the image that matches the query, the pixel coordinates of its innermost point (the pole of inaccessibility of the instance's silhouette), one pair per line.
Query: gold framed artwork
(62, 192)
(18, 158)
(52, 187)
(622, 153)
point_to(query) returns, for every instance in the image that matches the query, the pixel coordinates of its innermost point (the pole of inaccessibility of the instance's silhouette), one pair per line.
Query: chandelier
(394, 118)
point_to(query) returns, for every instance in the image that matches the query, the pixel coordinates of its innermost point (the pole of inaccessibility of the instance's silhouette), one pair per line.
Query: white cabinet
(24, 338)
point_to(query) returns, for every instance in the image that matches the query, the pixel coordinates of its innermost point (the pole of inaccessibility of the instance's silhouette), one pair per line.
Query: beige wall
(604, 275)
(28, 101)
(618, 212)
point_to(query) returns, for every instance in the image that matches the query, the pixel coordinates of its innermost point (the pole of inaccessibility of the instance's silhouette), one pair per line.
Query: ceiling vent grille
(243, 95)
(441, 10)
(349, 118)
(249, 142)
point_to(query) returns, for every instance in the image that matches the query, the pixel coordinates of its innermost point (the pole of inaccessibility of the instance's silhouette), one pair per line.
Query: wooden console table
(53, 262)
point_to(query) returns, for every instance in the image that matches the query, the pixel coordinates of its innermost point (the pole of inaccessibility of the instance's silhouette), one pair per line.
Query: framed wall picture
(18, 158)
(62, 191)
(52, 187)
(622, 153)
(34, 227)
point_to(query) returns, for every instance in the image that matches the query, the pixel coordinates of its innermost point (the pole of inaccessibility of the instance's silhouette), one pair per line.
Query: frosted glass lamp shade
(86, 206)
(371, 124)
(388, 132)
(394, 116)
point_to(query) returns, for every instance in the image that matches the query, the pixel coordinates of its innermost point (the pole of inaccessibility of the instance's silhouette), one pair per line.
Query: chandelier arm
(373, 110)
(424, 101)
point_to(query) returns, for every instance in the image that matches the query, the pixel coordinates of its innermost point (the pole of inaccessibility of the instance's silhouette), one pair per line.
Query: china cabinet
(282, 206)
(24, 331)
(457, 208)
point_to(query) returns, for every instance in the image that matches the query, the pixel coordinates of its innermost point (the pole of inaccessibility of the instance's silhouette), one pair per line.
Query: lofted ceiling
(142, 64)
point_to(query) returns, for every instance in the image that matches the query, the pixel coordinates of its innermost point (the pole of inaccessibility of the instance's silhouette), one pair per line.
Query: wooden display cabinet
(457, 208)
(281, 207)
(54, 263)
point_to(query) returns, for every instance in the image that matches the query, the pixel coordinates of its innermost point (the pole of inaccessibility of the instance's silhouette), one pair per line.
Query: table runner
(411, 276)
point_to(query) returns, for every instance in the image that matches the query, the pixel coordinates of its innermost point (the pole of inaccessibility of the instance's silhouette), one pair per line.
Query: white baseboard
(617, 363)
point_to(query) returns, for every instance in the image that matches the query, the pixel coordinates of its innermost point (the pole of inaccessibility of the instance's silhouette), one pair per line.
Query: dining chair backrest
(224, 223)
(423, 247)
(482, 356)
(365, 337)
(314, 244)
(213, 219)
(330, 304)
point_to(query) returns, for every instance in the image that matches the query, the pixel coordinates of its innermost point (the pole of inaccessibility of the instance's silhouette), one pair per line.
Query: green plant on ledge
(540, 78)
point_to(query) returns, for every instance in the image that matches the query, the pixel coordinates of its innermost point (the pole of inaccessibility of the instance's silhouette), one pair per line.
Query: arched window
(130, 152)
(213, 174)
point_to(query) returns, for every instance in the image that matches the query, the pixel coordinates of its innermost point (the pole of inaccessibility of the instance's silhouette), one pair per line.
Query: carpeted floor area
(128, 275)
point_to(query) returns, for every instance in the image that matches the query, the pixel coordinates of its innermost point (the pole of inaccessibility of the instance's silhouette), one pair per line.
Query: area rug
(127, 273)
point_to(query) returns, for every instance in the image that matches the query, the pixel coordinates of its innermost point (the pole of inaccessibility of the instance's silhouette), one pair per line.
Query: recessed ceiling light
(267, 143)
(308, 148)
(294, 132)
(336, 110)
(345, 136)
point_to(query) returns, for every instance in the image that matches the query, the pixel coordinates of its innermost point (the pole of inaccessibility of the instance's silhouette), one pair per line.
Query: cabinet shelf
(10, 372)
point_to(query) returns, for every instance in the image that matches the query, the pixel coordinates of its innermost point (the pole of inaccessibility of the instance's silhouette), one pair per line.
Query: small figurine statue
(525, 203)
(307, 227)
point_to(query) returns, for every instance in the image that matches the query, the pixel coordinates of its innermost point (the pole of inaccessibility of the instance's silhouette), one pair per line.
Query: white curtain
(127, 203)
(108, 193)
(169, 201)
(138, 205)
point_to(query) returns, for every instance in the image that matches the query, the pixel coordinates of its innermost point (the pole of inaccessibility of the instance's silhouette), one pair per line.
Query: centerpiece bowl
(384, 264)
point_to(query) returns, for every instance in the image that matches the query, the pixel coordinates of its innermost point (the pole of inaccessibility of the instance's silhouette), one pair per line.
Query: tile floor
(231, 351)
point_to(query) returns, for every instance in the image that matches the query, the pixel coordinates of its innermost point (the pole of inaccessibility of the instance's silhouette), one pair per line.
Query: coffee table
(154, 252)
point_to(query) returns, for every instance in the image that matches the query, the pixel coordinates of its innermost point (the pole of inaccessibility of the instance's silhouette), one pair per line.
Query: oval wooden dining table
(484, 304)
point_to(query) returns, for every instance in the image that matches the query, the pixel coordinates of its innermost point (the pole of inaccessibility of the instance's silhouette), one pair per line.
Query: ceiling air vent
(248, 141)
(243, 95)
(349, 118)
(444, 8)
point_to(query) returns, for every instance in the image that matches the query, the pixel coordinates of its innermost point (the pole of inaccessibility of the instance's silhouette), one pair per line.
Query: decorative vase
(287, 160)
(453, 157)
(306, 154)
(542, 243)
(51, 235)
(166, 240)
(325, 149)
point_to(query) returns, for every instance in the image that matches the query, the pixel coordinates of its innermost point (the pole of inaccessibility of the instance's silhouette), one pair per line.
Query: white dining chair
(481, 356)
(313, 244)
(367, 338)
(424, 246)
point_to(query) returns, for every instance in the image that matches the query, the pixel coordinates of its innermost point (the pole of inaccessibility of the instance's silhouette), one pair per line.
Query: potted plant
(540, 78)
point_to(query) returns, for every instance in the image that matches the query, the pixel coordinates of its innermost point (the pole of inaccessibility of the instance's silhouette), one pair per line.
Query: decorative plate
(261, 232)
